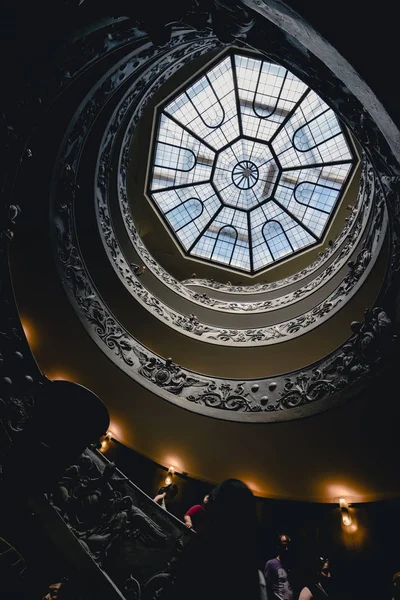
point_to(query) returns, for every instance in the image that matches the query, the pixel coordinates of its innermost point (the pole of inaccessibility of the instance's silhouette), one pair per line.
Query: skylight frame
(188, 249)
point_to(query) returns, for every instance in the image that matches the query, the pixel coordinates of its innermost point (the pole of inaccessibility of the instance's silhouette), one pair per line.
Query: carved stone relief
(128, 535)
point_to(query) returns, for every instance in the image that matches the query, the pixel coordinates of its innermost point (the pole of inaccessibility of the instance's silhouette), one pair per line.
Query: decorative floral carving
(166, 374)
(18, 412)
(226, 396)
(374, 335)
(116, 522)
(305, 388)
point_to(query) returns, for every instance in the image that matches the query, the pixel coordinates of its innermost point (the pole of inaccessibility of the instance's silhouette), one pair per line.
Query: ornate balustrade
(132, 539)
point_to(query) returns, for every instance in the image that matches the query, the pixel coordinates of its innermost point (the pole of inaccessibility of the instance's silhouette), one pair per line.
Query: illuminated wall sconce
(169, 477)
(345, 513)
(105, 442)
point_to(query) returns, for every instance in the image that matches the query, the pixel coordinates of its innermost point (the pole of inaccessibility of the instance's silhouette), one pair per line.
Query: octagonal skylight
(248, 165)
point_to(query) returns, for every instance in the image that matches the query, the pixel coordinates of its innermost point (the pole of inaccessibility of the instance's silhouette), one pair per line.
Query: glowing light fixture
(344, 509)
(170, 475)
(105, 442)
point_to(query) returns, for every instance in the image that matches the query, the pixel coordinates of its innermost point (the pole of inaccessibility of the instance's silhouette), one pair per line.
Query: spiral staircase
(201, 364)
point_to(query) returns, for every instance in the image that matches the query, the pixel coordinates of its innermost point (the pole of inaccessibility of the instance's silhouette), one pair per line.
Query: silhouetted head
(232, 539)
(233, 511)
(284, 548)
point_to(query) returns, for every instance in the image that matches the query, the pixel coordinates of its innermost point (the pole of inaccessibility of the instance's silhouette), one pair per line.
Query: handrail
(129, 537)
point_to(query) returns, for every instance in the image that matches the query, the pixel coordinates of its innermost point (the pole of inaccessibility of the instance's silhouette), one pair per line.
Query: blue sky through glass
(248, 164)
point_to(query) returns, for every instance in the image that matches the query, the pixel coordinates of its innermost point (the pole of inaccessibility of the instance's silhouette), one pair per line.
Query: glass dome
(248, 165)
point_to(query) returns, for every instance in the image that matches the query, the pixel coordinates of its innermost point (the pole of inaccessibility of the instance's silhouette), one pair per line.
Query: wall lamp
(345, 513)
(106, 441)
(168, 479)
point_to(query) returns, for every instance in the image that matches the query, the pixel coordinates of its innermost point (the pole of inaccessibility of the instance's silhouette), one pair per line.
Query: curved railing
(218, 397)
(262, 399)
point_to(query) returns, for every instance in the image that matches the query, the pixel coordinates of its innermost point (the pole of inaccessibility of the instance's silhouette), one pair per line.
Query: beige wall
(349, 450)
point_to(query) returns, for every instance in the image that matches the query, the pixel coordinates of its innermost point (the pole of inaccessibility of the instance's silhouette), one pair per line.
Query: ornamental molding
(189, 324)
(123, 526)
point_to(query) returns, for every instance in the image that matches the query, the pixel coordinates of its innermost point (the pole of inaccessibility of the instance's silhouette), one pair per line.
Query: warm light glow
(253, 486)
(59, 376)
(168, 480)
(343, 503)
(109, 435)
(115, 431)
(352, 528)
(171, 470)
(29, 332)
(346, 519)
(334, 491)
(173, 459)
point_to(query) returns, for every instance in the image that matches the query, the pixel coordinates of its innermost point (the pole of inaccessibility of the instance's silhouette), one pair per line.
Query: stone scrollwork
(374, 339)
(228, 396)
(306, 388)
(231, 20)
(374, 335)
(166, 374)
(19, 372)
(254, 336)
